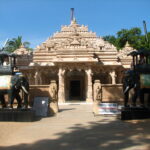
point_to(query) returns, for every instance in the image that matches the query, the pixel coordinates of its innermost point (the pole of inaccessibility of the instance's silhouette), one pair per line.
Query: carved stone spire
(22, 45)
(72, 14)
(127, 45)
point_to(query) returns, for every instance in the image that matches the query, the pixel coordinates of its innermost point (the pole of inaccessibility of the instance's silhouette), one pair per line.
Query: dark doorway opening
(75, 90)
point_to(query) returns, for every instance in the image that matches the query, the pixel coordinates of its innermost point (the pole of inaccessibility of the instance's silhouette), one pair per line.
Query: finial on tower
(22, 45)
(72, 14)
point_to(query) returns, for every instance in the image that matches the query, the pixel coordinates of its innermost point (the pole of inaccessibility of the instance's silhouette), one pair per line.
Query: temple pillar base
(89, 100)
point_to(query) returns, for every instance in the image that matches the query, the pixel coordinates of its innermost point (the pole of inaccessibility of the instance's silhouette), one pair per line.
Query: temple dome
(22, 51)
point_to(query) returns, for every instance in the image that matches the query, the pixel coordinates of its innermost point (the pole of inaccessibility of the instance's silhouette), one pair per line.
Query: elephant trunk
(24, 89)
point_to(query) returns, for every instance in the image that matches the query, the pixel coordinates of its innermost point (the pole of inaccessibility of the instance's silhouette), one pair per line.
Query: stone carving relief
(113, 76)
(22, 51)
(97, 90)
(53, 90)
(125, 51)
(98, 43)
(73, 35)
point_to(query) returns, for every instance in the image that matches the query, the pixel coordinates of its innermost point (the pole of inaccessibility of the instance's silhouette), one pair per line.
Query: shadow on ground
(66, 109)
(103, 134)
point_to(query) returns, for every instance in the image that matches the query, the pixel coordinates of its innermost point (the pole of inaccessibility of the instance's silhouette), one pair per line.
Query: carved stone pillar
(89, 95)
(61, 92)
(113, 76)
(30, 78)
(37, 77)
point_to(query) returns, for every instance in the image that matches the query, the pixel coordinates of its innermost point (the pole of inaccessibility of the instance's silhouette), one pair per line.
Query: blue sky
(36, 20)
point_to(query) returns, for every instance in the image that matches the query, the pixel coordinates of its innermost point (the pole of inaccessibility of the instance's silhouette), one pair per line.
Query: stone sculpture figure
(139, 77)
(98, 93)
(131, 81)
(97, 96)
(53, 90)
(128, 84)
(53, 97)
(54, 93)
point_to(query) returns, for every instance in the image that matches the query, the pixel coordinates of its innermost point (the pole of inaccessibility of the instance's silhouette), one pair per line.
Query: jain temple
(82, 64)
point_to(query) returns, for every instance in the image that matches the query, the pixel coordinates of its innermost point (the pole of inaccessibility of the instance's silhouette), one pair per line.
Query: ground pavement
(76, 128)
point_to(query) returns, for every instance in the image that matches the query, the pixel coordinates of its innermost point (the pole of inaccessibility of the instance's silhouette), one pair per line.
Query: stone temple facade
(76, 59)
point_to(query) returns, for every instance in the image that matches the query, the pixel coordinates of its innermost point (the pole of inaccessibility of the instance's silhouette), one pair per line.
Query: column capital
(112, 73)
(61, 71)
(89, 71)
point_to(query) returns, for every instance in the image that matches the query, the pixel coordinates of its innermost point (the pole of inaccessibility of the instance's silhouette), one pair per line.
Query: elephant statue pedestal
(17, 115)
(130, 113)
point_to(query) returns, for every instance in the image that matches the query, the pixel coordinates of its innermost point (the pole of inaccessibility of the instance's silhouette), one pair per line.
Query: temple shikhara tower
(77, 59)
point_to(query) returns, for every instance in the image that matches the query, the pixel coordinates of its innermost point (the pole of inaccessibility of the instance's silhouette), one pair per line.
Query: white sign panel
(108, 108)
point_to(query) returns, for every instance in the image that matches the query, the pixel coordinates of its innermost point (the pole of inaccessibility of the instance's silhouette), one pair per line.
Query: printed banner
(5, 82)
(109, 108)
(145, 80)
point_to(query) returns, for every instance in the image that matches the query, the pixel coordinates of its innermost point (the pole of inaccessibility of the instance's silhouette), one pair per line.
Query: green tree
(15, 43)
(111, 39)
(133, 36)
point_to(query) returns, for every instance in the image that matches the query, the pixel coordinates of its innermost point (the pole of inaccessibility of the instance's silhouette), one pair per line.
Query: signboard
(41, 106)
(5, 82)
(145, 80)
(109, 108)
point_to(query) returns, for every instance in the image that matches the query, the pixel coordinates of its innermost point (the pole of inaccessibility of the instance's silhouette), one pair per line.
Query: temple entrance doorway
(75, 86)
(75, 89)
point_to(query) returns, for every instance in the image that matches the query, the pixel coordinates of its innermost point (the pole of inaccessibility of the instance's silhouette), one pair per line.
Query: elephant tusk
(126, 89)
(24, 89)
(135, 85)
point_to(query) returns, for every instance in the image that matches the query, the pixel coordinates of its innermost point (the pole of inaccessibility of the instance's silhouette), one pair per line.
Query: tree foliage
(134, 37)
(15, 43)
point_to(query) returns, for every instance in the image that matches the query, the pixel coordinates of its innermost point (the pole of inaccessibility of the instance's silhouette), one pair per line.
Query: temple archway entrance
(75, 85)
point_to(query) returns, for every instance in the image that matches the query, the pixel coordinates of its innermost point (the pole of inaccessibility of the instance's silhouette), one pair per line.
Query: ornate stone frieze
(22, 51)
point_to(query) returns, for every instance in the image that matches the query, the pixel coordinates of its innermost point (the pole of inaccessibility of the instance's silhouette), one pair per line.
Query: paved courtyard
(76, 128)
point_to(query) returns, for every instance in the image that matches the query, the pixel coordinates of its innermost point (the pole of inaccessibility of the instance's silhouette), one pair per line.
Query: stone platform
(17, 115)
(131, 113)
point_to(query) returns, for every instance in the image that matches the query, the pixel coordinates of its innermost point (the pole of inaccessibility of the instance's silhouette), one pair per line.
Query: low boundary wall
(110, 92)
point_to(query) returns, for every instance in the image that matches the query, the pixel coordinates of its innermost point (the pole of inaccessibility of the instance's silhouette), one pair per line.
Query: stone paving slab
(76, 128)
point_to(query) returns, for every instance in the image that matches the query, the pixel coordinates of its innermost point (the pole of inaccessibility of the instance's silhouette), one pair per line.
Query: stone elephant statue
(133, 81)
(128, 84)
(12, 85)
